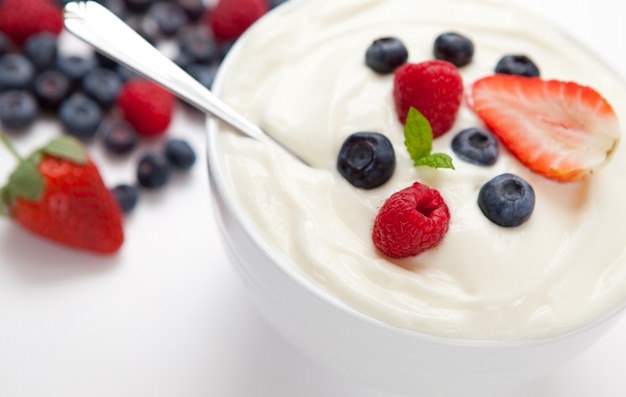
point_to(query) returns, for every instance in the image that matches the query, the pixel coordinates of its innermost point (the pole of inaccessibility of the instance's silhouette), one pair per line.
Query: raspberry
(147, 106)
(20, 19)
(230, 18)
(435, 88)
(411, 221)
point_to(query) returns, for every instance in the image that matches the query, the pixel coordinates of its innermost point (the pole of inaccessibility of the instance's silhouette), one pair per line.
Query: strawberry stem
(9, 146)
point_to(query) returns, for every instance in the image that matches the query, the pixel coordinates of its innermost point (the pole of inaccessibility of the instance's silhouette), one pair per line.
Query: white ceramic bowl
(365, 349)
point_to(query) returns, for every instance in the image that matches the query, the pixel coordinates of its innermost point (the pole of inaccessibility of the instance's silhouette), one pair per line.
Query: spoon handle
(97, 26)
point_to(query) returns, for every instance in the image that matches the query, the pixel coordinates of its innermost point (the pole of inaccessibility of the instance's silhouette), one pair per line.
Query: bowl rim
(218, 181)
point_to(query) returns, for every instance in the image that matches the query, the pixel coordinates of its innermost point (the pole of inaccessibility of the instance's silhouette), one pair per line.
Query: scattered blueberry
(194, 9)
(104, 61)
(138, 5)
(42, 50)
(199, 45)
(16, 72)
(179, 154)
(119, 136)
(103, 86)
(517, 64)
(169, 18)
(454, 48)
(75, 67)
(275, 3)
(126, 196)
(5, 44)
(18, 110)
(51, 88)
(366, 159)
(476, 146)
(385, 55)
(125, 73)
(205, 74)
(80, 116)
(507, 200)
(153, 170)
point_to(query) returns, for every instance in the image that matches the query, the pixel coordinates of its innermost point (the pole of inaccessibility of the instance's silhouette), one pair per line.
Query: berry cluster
(517, 108)
(99, 102)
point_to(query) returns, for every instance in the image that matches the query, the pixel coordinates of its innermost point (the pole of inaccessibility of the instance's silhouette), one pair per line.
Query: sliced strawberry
(561, 130)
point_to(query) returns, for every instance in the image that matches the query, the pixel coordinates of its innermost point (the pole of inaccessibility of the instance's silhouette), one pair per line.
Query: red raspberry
(230, 18)
(411, 221)
(147, 106)
(19, 19)
(435, 88)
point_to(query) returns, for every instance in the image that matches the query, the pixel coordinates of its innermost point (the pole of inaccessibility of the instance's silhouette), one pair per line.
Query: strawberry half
(561, 130)
(57, 193)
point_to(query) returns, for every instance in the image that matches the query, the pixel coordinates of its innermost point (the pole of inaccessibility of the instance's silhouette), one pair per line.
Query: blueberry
(194, 9)
(18, 110)
(385, 55)
(454, 48)
(169, 18)
(199, 45)
(41, 49)
(476, 146)
(80, 116)
(205, 74)
(125, 73)
(5, 44)
(507, 200)
(104, 61)
(103, 86)
(366, 159)
(16, 72)
(179, 154)
(520, 65)
(126, 196)
(75, 67)
(119, 136)
(51, 88)
(138, 5)
(153, 170)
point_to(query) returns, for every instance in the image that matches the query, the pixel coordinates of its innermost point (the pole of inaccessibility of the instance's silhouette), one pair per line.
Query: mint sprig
(418, 139)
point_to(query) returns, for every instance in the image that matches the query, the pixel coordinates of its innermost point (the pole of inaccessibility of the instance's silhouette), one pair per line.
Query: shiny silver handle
(97, 26)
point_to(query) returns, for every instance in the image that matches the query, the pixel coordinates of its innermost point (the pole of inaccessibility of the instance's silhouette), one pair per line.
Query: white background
(168, 317)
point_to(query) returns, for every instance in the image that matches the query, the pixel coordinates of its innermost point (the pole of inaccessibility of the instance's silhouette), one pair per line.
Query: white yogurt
(300, 74)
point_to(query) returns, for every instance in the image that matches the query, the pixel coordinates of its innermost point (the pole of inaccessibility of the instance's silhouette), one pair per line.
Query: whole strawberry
(20, 19)
(57, 193)
(435, 88)
(411, 221)
(230, 18)
(147, 106)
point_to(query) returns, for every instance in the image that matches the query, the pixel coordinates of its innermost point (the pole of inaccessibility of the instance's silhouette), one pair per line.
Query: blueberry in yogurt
(454, 48)
(476, 146)
(507, 200)
(520, 65)
(385, 55)
(366, 159)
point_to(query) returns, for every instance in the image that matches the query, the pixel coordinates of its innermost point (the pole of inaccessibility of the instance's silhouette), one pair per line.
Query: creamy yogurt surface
(300, 74)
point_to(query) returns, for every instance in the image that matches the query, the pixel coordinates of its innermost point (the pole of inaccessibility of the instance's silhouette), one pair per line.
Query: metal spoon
(100, 28)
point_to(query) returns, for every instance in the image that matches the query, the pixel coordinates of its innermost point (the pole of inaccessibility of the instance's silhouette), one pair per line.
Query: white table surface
(168, 317)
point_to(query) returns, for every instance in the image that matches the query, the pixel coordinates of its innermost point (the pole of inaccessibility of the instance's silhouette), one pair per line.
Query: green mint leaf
(418, 135)
(418, 139)
(436, 160)
(26, 181)
(68, 148)
(3, 201)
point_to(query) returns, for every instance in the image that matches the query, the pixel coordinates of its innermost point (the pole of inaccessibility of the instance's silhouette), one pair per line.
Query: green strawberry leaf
(418, 139)
(4, 211)
(68, 148)
(26, 181)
